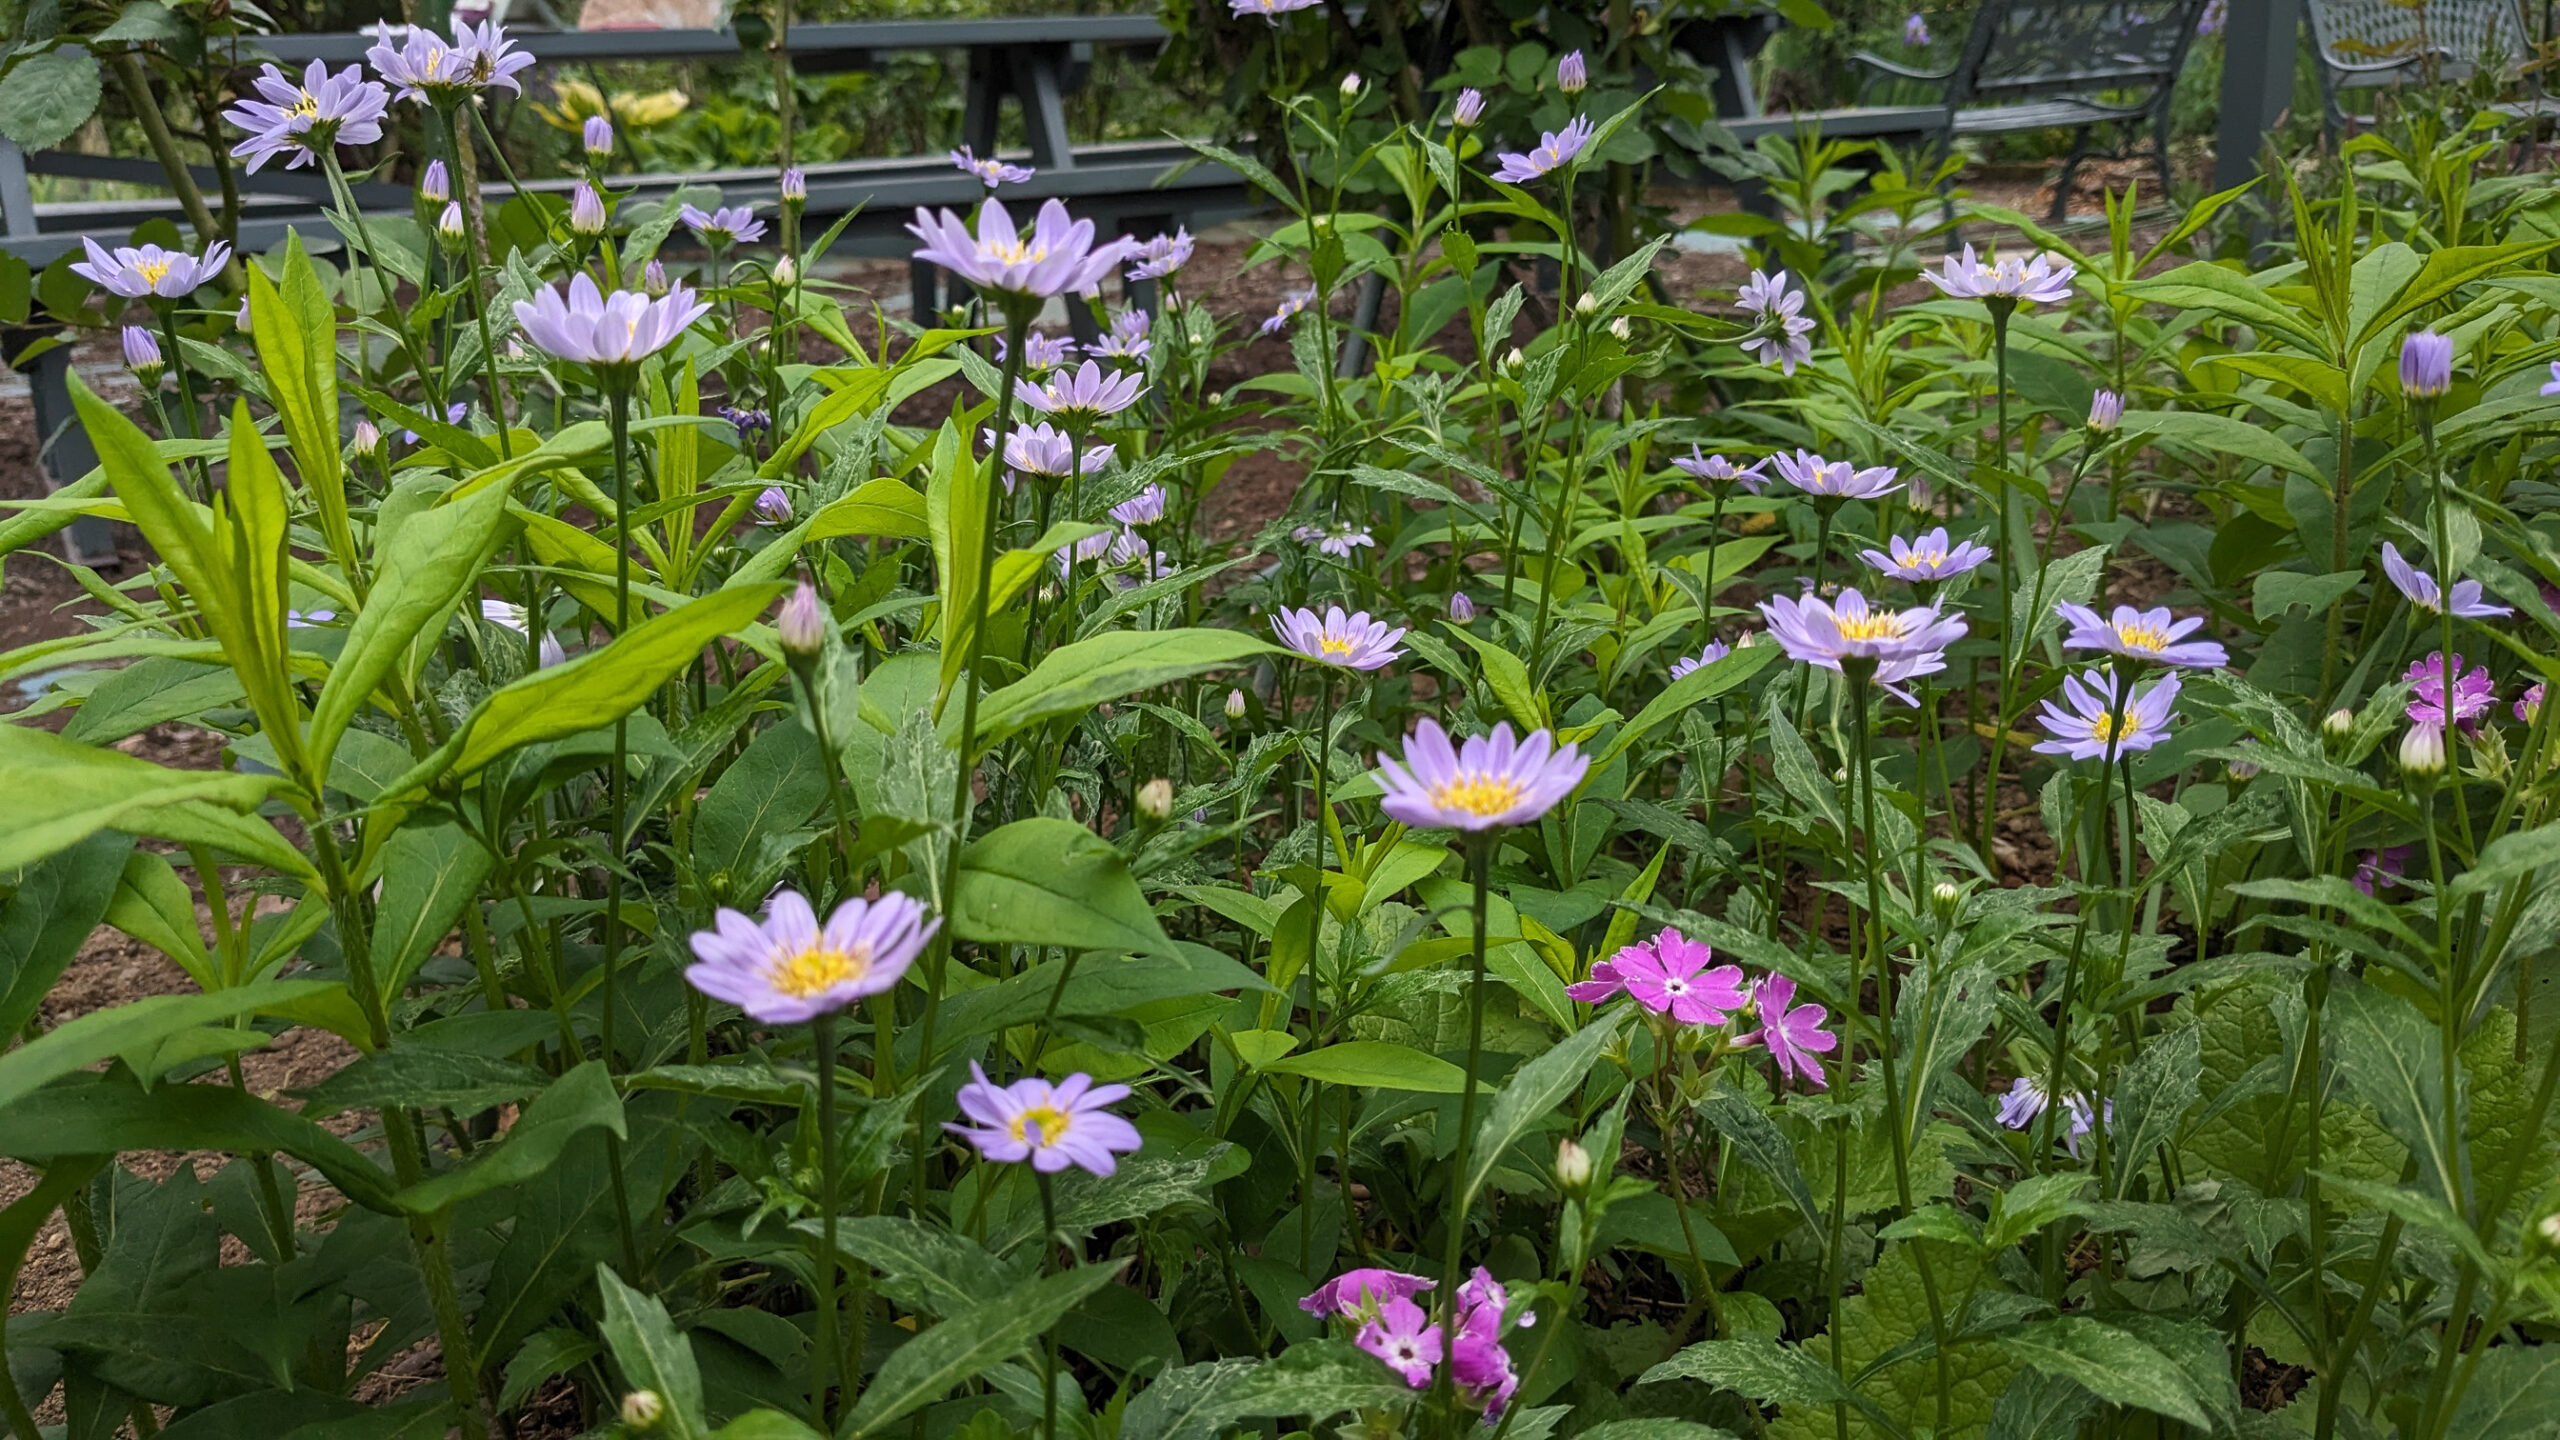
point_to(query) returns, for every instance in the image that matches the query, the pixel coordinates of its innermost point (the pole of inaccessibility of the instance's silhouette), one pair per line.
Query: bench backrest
(2021, 49)
(2465, 32)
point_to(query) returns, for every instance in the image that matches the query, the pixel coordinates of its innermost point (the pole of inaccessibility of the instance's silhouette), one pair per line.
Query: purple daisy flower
(1715, 651)
(1085, 551)
(1144, 508)
(991, 172)
(1353, 642)
(1338, 543)
(1128, 337)
(2153, 635)
(788, 969)
(728, 225)
(1781, 333)
(1847, 629)
(1718, 471)
(2551, 386)
(1087, 395)
(1048, 451)
(1290, 305)
(1836, 479)
(2093, 729)
(773, 507)
(2027, 1100)
(1160, 257)
(1915, 30)
(1356, 1292)
(299, 121)
(1041, 353)
(427, 69)
(1793, 1033)
(1555, 150)
(612, 332)
(1404, 1337)
(2423, 592)
(1493, 780)
(1931, 557)
(1057, 258)
(2473, 692)
(1052, 1126)
(2037, 281)
(135, 272)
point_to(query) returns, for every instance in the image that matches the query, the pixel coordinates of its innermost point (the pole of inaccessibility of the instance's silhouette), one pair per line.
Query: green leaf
(1375, 1065)
(1507, 676)
(109, 1116)
(2214, 434)
(653, 1354)
(294, 325)
(765, 1425)
(2157, 1090)
(597, 688)
(2512, 856)
(1534, 1090)
(2037, 1406)
(47, 95)
(2109, 1363)
(103, 1034)
(1195, 1402)
(890, 509)
(49, 916)
(2035, 1202)
(1072, 679)
(429, 873)
(772, 788)
(1756, 1368)
(1757, 1139)
(927, 1367)
(2513, 1396)
(422, 1077)
(2390, 1056)
(1690, 690)
(582, 1100)
(921, 1267)
(2277, 591)
(1047, 881)
(551, 1352)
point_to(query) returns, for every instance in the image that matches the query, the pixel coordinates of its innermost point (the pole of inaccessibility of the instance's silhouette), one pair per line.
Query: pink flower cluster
(1379, 1306)
(1672, 975)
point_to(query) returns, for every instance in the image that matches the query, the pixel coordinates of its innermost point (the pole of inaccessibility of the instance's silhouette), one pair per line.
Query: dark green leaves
(926, 1368)
(1046, 881)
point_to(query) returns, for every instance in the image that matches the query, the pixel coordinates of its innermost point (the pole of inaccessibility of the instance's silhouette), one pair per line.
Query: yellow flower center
(308, 107)
(1873, 625)
(818, 969)
(2106, 726)
(151, 271)
(1041, 1125)
(2138, 636)
(1478, 794)
(1928, 559)
(1015, 252)
(1332, 644)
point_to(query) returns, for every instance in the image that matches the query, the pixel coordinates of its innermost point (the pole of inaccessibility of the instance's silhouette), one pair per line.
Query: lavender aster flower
(1270, 10)
(1337, 543)
(1041, 351)
(728, 225)
(1555, 150)
(2154, 635)
(1718, 471)
(1715, 651)
(1128, 337)
(1052, 1126)
(788, 969)
(2106, 411)
(1057, 258)
(2217, 13)
(1160, 257)
(1354, 642)
(1048, 451)
(2421, 590)
(1470, 109)
(773, 507)
(1931, 557)
(1572, 74)
(991, 172)
(1915, 30)
(1903, 644)
(1144, 508)
(299, 121)
(1088, 394)
(1836, 479)
(1781, 334)
(1290, 304)
(2013, 280)
(2552, 386)
(2426, 365)
(2025, 1101)
(1492, 780)
(426, 69)
(135, 273)
(2094, 729)
(614, 331)
(1090, 548)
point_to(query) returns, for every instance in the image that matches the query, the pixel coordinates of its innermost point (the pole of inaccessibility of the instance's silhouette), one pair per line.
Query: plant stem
(1480, 848)
(822, 1357)
(618, 784)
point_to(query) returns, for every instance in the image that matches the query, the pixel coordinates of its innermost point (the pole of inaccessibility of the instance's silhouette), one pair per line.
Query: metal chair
(2371, 44)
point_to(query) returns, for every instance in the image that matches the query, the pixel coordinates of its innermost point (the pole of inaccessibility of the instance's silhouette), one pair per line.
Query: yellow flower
(579, 99)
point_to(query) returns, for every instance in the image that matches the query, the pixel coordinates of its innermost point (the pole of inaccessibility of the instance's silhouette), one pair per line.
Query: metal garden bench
(2063, 64)
(2370, 44)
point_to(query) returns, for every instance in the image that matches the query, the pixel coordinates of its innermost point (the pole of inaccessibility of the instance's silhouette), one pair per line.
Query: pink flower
(2383, 868)
(1668, 975)
(1605, 983)
(1404, 1337)
(2473, 692)
(1793, 1032)
(1354, 1292)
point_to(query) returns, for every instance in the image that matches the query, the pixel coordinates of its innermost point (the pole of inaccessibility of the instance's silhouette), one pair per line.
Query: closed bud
(2549, 1231)
(2422, 752)
(2426, 365)
(653, 277)
(142, 356)
(1589, 304)
(434, 187)
(795, 187)
(1155, 800)
(367, 439)
(1513, 359)
(2338, 724)
(2106, 411)
(598, 136)
(803, 626)
(1461, 609)
(1470, 108)
(240, 319)
(1623, 328)
(1351, 86)
(1573, 1165)
(449, 231)
(1235, 704)
(1945, 896)
(643, 1410)
(1572, 73)
(773, 507)
(786, 272)
(586, 210)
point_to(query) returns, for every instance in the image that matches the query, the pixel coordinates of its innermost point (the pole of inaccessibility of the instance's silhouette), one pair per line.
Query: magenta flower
(1087, 395)
(1290, 306)
(1270, 10)
(2093, 729)
(728, 225)
(300, 121)
(1128, 337)
(788, 970)
(991, 172)
(610, 332)
(2426, 365)
(1931, 557)
(1052, 1126)
(2383, 868)
(2036, 281)
(1353, 642)
(1356, 1292)
(1793, 1033)
(1058, 257)
(136, 272)
(2154, 635)
(1715, 651)
(1492, 781)
(1670, 975)
(1479, 1364)
(2529, 704)
(2473, 692)
(1555, 150)
(1718, 471)
(1846, 629)
(2423, 592)
(1159, 258)
(1781, 332)
(1144, 508)
(1404, 1337)
(1835, 479)
(1604, 984)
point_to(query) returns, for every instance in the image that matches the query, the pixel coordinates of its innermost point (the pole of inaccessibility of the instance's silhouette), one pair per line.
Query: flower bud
(550, 652)
(449, 231)
(1235, 704)
(2426, 365)
(2422, 752)
(2338, 724)
(1351, 86)
(1572, 73)
(240, 319)
(1623, 328)
(367, 439)
(435, 187)
(2548, 1230)
(1945, 896)
(586, 210)
(1589, 304)
(1461, 609)
(1470, 108)
(642, 1410)
(1155, 800)
(2106, 411)
(773, 507)
(142, 356)
(1573, 1165)
(802, 625)
(786, 272)
(598, 137)
(653, 277)
(2243, 770)
(795, 187)
(1513, 359)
